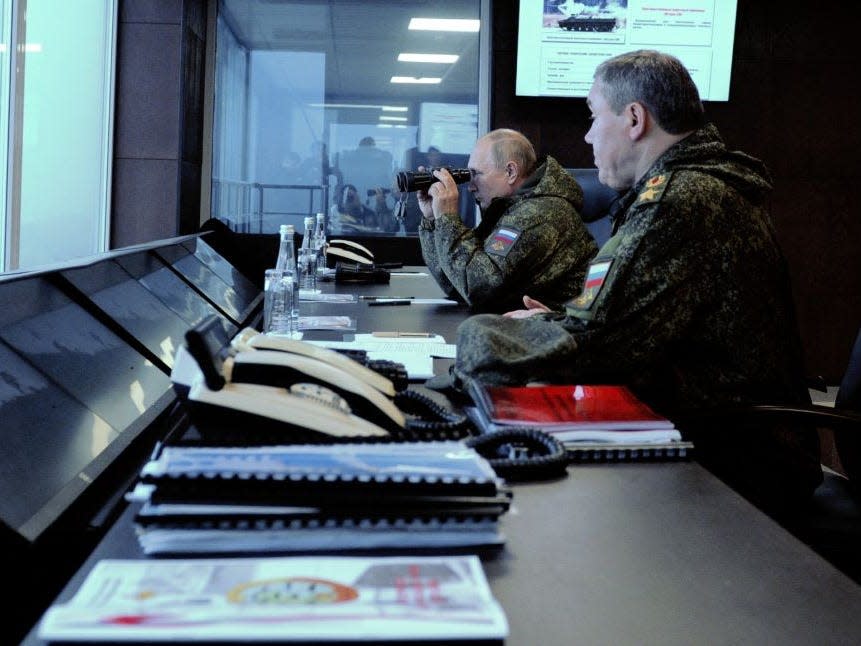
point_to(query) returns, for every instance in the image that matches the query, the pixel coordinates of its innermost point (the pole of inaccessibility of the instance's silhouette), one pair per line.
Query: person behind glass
(531, 238)
(688, 303)
(315, 169)
(354, 216)
(434, 157)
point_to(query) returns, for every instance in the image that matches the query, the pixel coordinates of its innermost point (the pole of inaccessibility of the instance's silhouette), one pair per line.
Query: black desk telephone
(264, 389)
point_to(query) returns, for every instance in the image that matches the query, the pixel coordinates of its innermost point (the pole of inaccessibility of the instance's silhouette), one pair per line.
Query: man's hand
(380, 196)
(425, 201)
(441, 198)
(532, 307)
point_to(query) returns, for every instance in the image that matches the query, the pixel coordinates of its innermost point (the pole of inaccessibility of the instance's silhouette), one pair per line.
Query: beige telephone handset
(250, 408)
(251, 339)
(273, 383)
(275, 389)
(355, 253)
(278, 368)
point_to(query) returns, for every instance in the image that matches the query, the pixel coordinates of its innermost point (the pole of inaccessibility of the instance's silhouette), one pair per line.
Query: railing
(253, 207)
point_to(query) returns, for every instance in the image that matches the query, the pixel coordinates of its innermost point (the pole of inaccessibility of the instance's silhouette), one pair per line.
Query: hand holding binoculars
(409, 181)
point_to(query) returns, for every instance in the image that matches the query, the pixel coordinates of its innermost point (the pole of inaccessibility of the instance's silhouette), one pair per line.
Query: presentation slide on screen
(560, 42)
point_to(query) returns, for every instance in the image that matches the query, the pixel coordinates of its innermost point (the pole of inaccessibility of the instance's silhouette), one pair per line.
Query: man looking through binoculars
(530, 240)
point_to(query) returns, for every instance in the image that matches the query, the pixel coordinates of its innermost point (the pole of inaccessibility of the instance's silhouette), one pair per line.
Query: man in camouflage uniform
(530, 238)
(688, 302)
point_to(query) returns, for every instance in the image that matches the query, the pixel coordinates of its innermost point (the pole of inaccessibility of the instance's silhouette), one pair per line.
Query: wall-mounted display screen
(560, 42)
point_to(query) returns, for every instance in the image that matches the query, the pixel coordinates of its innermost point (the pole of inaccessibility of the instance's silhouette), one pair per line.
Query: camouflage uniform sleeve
(671, 266)
(484, 274)
(432, 260)
(654, 287)
(655, 283)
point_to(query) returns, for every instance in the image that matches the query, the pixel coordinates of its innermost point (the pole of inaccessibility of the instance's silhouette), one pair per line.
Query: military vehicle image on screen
(589, 21)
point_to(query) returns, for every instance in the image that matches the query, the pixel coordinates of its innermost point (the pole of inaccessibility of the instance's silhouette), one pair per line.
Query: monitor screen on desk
(134, 308)
(248, 295)
(237, 304)
(72, 397)
(64, 341)
(49, 444)
(152, 272)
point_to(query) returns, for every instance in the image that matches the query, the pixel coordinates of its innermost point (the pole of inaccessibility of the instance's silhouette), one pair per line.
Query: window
(319, 104)
(56, 87)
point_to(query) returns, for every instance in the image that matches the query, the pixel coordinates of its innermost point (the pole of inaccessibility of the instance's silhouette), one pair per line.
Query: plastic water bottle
(308, 258)
(286, 249)
(286, 263)
(319, 242)
(279, 299)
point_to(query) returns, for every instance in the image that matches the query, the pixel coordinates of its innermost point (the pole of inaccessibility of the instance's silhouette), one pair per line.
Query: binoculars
(409, 181)
(373, 191)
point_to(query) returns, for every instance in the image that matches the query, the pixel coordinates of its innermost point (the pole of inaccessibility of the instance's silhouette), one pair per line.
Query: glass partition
(319, 104)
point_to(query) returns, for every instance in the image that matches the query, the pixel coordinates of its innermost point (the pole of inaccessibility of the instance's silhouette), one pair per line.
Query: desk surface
(626, 553)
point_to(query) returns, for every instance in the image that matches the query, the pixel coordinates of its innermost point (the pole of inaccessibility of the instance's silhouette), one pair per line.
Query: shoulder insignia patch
(654, 189)
(595, 278)
(501, 241)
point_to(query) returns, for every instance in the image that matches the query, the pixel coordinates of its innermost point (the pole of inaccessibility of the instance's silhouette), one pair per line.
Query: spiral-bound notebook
(319, 497)
(596, 423)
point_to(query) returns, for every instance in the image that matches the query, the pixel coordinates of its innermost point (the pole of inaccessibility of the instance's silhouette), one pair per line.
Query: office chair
(831, 524)
(596, 202)
(849, 398)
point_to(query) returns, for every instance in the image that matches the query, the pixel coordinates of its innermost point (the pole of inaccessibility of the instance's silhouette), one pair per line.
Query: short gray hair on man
(508, 144)
(659, 81)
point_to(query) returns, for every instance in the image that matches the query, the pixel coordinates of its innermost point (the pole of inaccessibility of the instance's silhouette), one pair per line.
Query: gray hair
(510, 145)
(658, 81)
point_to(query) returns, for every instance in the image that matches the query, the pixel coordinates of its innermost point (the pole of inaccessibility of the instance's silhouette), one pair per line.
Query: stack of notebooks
(309, 498)
(594, 422)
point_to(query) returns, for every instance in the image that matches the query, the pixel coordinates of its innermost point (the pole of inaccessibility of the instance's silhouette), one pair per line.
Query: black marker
(385, 298)
(389, 302)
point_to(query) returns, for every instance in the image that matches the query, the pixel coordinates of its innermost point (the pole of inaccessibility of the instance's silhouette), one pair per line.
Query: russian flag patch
(595, 278)
(500, 241)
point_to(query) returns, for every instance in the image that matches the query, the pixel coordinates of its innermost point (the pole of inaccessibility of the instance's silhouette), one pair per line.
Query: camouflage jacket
(533, 242)
(688, 302)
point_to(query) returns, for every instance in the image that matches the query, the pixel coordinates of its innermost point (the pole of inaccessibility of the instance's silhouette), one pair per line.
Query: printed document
(283, 599)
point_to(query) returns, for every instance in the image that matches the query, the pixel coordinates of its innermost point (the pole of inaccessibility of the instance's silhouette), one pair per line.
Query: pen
(394, 335)
(387, 298)
(390, 302)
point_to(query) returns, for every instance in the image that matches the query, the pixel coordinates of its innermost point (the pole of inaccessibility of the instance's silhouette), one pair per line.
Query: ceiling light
(424, 80)
(361, 106)
(428, 58)
(443, 24)
(384, 118)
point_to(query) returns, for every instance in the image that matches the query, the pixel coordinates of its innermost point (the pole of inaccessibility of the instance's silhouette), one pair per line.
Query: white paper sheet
(416, 354)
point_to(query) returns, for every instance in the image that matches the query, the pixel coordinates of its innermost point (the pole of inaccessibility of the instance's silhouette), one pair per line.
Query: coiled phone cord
(431, 420)
(520, 454)
(516, 454)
